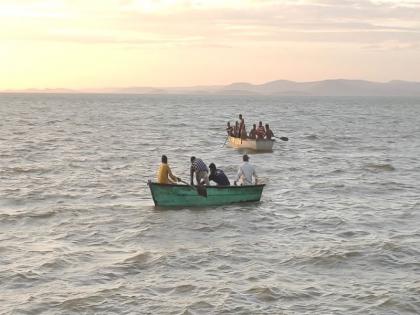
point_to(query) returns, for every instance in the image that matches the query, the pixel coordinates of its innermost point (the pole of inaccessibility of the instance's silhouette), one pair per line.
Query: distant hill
(331, 88)
(339, 87)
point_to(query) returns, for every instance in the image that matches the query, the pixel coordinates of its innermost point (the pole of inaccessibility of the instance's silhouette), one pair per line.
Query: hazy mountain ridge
(336, 87)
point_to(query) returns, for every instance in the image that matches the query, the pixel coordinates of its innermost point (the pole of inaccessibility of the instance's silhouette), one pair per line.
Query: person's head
(245, 158)
(236, 123)
(192, 159)
(255, 126)
(228, 123)
(240, 116)
(164, 159)
(212, 167)
(267, 126)
(260, 124)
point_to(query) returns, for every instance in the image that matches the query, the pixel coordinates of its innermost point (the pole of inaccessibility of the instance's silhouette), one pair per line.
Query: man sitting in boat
(260, 131)
(245, 173)
(236, 129)
(201, 171)
(164, 174)
(268, 132)
(229, 129)
(218, 176)
(253, 132)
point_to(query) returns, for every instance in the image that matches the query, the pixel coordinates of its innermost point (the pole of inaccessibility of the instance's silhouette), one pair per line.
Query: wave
(311, 137)
(326, 257)
(379, 167)
(24, 215)
(140, 260)
(82, 304)
(26, 169)
(185, 288)
(54, 264)
(352, 234)
(19, 279)
(265, 294)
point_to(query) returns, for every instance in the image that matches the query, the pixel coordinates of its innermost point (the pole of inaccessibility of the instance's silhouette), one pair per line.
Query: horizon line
(88, 89)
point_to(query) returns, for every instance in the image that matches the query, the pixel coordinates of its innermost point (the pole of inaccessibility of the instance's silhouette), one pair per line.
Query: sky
(166, 43)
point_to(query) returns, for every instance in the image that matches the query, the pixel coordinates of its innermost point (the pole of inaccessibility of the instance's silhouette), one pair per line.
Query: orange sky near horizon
(120, 43)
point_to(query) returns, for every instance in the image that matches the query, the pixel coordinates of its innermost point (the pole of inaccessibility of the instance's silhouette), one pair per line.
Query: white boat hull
(255, 145)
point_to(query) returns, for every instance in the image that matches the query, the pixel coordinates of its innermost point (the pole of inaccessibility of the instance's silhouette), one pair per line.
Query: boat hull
(165, 195)
(251, 144)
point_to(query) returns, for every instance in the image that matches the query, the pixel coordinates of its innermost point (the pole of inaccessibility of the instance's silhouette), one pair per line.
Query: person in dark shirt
(229, 129)
(218, 176)
(268, 132)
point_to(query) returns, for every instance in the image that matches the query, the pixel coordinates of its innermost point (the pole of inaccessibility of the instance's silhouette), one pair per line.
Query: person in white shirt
(245, 173)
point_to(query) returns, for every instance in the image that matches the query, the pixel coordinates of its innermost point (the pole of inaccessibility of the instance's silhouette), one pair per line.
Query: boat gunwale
(252, 140)
(253, 145)
(208, 186)
(180, 189)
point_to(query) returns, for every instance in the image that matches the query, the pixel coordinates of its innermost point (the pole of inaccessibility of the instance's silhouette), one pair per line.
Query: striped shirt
(199, 166)
(260, 132)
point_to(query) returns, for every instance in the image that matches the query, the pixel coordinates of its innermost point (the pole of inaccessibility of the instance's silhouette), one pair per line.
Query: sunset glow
(88, 44)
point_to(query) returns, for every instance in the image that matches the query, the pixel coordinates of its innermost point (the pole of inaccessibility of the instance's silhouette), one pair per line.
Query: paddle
(282, 138)
(201, 189)
(225, 141)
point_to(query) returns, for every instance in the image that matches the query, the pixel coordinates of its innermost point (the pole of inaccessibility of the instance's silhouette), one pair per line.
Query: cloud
(213, 22)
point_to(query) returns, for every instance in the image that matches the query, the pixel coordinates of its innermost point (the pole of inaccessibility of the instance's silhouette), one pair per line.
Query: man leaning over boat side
(164, 174)
(201, 171)
(218, 176)
(245, 173)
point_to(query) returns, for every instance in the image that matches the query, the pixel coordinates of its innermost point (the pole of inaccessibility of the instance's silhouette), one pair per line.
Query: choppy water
(337, 230)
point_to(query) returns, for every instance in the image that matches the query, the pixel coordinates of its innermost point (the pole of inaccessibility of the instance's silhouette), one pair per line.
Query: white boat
(252, 144)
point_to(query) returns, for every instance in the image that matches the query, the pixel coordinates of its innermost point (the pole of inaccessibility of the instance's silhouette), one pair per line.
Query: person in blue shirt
(218, 176)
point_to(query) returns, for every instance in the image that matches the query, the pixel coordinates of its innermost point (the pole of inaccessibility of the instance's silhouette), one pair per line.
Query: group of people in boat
(246, 174)
(257, 133)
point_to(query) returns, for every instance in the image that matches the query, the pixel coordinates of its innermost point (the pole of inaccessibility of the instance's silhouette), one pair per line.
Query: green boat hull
(165, 195)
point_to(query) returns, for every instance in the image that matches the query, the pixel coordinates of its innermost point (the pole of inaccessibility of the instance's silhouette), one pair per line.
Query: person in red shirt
(260, 131)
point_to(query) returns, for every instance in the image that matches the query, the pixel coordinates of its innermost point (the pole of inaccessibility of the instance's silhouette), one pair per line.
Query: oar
(282, 138)
(225, 141)
(201, 189)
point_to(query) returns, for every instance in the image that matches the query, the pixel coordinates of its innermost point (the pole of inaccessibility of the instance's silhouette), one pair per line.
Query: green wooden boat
(166, 195)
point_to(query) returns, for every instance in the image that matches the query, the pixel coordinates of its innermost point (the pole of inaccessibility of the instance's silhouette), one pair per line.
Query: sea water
(336, 231)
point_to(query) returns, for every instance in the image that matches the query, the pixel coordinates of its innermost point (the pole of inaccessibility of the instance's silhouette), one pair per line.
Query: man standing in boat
(242, 131)
(245, 173)
(164, 174)
(201, 171)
